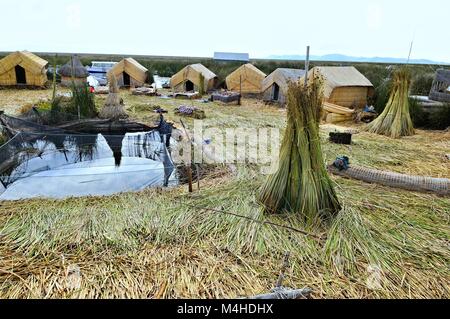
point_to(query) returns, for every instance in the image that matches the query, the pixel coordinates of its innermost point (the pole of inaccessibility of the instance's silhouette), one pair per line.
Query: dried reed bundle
(113, 108)
(395, 121)
(301, 184)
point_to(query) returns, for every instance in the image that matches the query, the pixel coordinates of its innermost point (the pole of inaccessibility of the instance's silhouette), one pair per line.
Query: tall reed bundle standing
(113, 108)
(301, 184)
(395, 121)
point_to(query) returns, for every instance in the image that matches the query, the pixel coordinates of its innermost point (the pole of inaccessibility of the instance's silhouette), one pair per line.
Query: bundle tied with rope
(395, 121)
(113, 108)
(301, 184)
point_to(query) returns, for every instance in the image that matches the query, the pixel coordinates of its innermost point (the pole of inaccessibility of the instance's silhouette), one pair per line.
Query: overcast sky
(382, 28)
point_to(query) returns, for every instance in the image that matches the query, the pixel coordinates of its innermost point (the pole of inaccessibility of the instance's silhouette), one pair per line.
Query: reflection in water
(79, 165)
(115, 144)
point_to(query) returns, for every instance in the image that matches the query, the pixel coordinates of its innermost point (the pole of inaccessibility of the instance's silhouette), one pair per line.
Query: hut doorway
(276, 92)
(189, 86)
(126, 79)
(21, 77)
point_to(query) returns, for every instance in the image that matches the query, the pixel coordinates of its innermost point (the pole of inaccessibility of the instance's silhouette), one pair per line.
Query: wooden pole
(410, 51)
(189, 171)
(73, 84)
(240, 90)
(54, 78)
(189, 165)
(240, 84)
(198, 176)
(307, 66)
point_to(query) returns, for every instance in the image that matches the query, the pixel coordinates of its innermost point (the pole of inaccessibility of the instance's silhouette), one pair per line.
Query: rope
(254, 220)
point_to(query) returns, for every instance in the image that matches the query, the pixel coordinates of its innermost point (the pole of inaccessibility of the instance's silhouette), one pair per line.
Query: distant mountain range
(346, 58)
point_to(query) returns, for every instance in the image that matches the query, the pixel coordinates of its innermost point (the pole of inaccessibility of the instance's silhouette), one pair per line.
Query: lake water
(61, 166)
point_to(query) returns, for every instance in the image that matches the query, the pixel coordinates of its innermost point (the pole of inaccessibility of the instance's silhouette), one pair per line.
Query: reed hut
(344, 86)
(73, 72)
(247, 79)
(192, 78)
(276, 84)
(129, 73)
(440, 91)
(23, 69)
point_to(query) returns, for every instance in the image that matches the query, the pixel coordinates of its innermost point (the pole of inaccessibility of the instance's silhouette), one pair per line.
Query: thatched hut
(344, 86)
(440, 91)
(276, 84)
(191, 77)
(247, 79)
(73, 72)
(129, 73)
(23, 69)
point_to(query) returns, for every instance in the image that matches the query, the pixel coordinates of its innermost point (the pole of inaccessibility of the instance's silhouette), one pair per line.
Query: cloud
(73, 16)
(374, 16)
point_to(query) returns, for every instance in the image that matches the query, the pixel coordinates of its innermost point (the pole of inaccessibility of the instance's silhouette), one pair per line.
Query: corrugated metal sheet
(229, 56)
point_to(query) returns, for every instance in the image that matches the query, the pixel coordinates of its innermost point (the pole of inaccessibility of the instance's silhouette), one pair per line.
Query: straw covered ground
(385, 243)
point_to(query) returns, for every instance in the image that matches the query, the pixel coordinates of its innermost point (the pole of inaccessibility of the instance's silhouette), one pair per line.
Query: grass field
(386, 243)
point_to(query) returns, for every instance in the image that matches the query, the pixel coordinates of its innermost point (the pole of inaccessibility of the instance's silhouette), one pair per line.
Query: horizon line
(273, 57)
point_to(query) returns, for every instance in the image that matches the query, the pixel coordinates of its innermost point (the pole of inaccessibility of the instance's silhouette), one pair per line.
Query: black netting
(31, 125)
(49, 156)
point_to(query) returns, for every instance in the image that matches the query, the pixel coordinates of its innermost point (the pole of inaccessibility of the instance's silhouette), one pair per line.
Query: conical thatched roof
(73, 68)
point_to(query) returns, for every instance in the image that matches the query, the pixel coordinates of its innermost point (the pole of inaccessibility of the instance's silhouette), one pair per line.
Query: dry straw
(395, 121)
(113, 108)
(301, 184)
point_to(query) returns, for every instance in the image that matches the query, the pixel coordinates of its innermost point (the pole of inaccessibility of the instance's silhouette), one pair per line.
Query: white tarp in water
(65, 168)
(76, 180)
